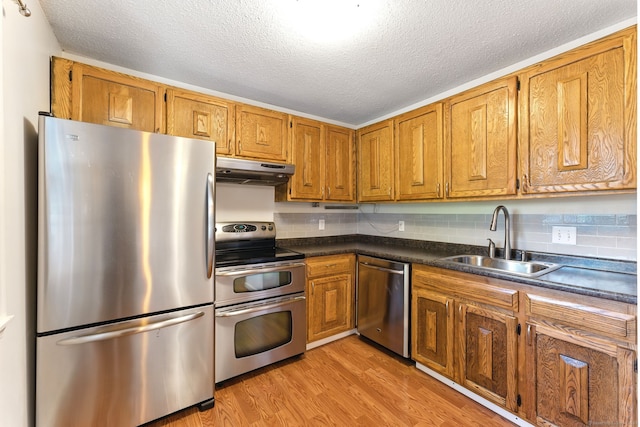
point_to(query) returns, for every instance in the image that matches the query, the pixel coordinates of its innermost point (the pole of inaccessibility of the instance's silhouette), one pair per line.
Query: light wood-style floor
(348, 382)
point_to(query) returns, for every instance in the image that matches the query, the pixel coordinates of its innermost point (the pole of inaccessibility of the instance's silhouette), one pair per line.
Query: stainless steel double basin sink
(508, 266)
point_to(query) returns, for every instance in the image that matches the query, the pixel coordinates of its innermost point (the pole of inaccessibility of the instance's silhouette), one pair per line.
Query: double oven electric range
(260, 307)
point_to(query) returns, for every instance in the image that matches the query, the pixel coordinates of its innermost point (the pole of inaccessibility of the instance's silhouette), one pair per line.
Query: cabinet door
(578, 128)
(581, 383)
(341, 165)
(330, 306)
(487, 351)
(375, 162)
(261, 133)
(307, 153)
(432, 331)
(110, 98)
(194, 115)
(419, 155)
(481, 141)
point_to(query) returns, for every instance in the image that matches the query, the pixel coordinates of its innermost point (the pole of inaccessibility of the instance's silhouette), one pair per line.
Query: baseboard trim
(471, 395)
(332, 338)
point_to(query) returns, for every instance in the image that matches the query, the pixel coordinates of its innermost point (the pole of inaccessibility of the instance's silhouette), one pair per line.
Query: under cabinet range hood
(252, 172)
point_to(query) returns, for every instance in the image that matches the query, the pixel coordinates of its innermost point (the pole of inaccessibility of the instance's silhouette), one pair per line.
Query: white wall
(27, 45)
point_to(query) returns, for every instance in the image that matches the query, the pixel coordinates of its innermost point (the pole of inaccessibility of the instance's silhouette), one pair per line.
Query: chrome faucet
(507, 231)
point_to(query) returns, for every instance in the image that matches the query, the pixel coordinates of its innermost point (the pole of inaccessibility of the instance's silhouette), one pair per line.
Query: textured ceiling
(395, 53)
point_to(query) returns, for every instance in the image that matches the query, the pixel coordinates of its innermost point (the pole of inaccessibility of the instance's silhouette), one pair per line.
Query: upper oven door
(254, 282)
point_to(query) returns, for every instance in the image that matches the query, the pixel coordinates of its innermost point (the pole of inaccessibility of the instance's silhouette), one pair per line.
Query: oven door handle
(210, 225)
(267, 269)
(259, 308)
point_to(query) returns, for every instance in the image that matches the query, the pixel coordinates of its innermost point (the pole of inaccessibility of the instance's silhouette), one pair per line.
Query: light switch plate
(400, 225)
(563, 235)
(321, 224)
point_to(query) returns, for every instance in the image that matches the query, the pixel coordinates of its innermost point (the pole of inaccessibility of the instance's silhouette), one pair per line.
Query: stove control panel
(226, 231)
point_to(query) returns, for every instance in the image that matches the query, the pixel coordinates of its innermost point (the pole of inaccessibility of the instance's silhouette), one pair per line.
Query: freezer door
(126, 223)
(127, 373)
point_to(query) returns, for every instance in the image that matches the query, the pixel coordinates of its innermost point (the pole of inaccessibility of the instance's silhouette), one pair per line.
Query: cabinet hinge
(165, 97)
(519, 400)
(635, 365)
(519, 329)
(517, 184)
(291, 124)
(518, 84)
(70, 75)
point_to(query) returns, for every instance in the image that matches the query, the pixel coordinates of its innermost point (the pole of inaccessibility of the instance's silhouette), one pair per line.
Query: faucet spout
(507, 229)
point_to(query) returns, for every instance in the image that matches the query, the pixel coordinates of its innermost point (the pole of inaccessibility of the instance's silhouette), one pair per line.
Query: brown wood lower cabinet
(330, 295)
(581, 383)
(487, 355)
(550, 357)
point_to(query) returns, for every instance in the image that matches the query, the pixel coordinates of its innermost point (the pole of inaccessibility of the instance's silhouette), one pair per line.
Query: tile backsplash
(603, 235)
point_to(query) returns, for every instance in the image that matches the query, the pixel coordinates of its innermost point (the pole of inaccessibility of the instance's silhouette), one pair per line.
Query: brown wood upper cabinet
(307, 153)
(340, 170)
(375, 162)
(419, 154)
(324, 156)
(91, 94)
(261, 133)
(481, 141)
(578, 122)
(195, 115)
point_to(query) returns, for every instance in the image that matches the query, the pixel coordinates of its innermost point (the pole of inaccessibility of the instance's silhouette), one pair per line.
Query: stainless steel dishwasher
(383, 303)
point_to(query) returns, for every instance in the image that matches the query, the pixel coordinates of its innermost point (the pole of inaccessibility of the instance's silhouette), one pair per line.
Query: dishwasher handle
(375, 267)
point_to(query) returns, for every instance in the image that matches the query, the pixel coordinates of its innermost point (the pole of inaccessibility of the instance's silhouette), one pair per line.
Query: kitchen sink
(518, 268)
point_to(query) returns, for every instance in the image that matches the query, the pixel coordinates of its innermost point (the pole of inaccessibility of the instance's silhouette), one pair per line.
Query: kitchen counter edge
(431, 253)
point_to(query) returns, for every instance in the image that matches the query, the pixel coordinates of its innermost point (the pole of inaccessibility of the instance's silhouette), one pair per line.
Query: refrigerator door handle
(210, 225)
(102, 336)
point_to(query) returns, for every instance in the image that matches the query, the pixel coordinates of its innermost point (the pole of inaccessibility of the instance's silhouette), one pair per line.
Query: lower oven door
(250, 336)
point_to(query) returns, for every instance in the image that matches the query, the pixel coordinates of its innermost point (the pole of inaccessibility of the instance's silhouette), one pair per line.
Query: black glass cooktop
(230, 258)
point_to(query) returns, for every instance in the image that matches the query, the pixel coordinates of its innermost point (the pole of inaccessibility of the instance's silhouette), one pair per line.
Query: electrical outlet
(400, 225)
(563, 235)
(321, 224)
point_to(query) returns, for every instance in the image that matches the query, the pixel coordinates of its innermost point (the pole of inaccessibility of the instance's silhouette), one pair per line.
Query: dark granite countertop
(603, 278)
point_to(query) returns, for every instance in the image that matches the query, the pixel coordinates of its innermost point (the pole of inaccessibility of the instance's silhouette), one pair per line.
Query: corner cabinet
(90, 94)
(481, 141)
(376, 162)
(261, 133)
(330, 295)
(419, 154)
(194, 115)
(579, 119)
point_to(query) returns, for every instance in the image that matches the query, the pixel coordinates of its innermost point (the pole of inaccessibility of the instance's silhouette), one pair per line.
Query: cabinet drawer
(585, 317)
(329, 265)
(465, 288)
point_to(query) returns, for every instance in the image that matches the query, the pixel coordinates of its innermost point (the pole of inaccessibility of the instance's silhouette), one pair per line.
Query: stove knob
(270, 227)
(263, 228)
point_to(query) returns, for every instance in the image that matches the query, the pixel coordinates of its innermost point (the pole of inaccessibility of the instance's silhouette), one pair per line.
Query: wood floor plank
(349, 382)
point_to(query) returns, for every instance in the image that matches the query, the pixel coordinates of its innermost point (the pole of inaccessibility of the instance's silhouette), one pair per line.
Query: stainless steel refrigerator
(125, 275)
